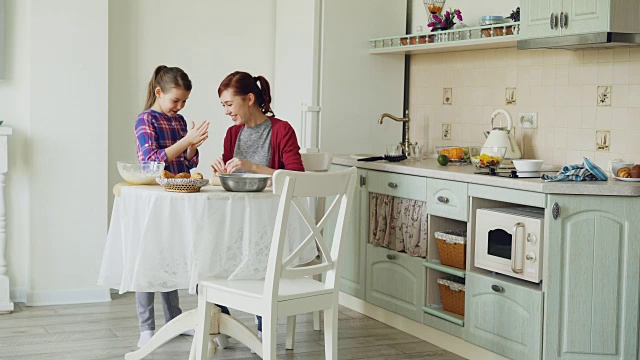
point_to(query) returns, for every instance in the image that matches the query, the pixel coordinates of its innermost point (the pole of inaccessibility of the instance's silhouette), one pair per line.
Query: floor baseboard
(448, 342)
(69, 296)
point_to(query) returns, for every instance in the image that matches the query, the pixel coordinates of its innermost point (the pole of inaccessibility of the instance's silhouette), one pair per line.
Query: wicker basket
(497, 31)
(182, 185)
(452, 247)
(452, 294)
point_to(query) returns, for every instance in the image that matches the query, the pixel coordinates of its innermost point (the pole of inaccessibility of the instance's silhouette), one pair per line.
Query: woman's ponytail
(265, 91)
(243, 84)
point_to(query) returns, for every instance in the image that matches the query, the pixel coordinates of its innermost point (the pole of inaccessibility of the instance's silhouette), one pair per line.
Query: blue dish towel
(578, 172)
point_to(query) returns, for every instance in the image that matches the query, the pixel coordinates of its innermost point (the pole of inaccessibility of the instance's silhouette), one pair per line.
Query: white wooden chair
(313, 162)
(288, 290)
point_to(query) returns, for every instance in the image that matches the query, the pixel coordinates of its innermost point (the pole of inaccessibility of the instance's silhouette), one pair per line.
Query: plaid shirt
(157, 131)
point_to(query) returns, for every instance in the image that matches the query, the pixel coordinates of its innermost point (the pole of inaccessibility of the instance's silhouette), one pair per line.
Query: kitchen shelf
(438, 311)
(436, 265)
(463, 39)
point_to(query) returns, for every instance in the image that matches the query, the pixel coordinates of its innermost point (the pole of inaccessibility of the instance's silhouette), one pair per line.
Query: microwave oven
(509, 241)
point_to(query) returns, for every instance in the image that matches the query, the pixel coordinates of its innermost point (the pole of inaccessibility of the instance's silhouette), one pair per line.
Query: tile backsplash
(579, 97)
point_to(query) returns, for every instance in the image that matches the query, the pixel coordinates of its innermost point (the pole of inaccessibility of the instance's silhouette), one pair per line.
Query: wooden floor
(109, 330)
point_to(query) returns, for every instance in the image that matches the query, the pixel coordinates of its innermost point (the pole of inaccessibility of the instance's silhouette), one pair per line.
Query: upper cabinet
(546, 18)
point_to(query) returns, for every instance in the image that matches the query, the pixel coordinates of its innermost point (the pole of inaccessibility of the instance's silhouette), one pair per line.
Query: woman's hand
(197, 135)
(218, 166)
(236, 164)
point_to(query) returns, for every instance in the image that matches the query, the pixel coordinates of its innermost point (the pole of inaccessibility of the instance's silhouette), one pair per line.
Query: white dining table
(163, 241)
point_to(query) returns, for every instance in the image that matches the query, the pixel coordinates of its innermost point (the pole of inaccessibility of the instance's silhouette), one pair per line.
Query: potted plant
(444, 22)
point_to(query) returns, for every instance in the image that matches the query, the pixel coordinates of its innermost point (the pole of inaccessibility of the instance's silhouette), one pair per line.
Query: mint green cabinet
(592, 252)
(396, 282)
(504, 316)
(352, 277)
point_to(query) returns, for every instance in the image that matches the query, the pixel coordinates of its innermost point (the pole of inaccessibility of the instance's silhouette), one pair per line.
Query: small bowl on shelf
(140, 172)
(487, 157)
(527, 164)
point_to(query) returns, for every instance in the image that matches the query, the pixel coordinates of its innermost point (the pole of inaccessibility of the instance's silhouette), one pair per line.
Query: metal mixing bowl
(244, 182)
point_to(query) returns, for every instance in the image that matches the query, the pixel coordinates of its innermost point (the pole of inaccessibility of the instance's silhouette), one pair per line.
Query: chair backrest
(316, 161)
(293, 187)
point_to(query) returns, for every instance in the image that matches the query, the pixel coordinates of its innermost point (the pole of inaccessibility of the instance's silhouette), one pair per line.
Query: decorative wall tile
(603, 140)
(447, 96)
(604, 96)
(510, 96)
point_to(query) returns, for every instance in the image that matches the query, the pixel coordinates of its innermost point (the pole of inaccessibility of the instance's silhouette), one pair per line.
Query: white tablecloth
(161, 241)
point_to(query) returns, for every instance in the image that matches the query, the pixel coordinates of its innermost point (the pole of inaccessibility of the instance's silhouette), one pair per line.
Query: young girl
(162, 135)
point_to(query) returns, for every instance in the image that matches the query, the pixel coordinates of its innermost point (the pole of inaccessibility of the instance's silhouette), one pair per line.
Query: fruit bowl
(454, 153)
(487, 157)
(140, 172)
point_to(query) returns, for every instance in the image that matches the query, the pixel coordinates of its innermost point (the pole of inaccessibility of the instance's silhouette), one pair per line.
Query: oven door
(500, 244)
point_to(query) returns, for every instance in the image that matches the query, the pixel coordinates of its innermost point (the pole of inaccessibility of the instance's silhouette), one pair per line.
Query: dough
(197, 176)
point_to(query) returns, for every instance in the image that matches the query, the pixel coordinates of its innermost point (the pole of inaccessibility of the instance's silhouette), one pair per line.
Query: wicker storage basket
(452, 294)
(452, 247)
(497, 31)
(182, 185)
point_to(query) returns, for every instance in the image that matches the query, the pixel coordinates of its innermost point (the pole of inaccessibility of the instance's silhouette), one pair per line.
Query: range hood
(582, 41)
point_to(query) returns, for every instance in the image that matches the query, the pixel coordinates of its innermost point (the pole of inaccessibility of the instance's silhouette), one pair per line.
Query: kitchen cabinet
(546, 18)
(327, 85)
(398, 185)
(447, 199)
(504, 316)
(396, 282)
(591, 277)
(352, 277)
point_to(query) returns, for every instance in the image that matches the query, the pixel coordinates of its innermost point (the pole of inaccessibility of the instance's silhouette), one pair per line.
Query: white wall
(472, 11)
(207, 39)
(55, 98)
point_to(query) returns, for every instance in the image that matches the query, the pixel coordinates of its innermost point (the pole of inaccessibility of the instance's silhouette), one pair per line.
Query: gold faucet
(406, 144)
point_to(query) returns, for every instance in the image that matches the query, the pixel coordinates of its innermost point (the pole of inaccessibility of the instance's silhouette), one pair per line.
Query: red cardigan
(285, 152)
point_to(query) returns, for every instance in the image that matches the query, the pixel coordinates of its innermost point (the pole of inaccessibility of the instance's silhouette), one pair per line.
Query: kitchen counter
(465, 173)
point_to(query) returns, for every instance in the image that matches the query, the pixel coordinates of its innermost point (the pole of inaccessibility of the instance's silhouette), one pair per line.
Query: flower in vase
(446, 21)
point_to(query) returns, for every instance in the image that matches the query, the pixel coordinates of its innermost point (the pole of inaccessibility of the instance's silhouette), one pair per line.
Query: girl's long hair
(165, 78)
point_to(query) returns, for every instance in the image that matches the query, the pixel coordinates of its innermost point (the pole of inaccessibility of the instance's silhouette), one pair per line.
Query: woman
(258, 142)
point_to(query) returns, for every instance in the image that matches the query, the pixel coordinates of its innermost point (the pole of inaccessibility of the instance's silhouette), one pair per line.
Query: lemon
(443, 159)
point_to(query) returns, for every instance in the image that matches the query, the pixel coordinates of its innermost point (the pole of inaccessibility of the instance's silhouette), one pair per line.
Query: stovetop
(514, 174)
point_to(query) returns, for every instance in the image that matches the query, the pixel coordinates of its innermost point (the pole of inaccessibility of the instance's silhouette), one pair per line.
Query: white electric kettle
(503, 136)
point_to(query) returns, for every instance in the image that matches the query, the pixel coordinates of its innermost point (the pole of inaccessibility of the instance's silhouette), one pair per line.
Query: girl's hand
(197, 135)
(236, 164)
(218, 166)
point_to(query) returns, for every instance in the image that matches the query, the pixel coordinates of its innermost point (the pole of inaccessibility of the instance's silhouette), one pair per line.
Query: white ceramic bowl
(140, 172)
(527, 164)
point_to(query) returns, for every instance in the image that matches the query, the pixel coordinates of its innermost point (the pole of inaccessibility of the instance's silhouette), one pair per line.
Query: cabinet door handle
(392, 185)
(555, 211)
(497, 288)
(553, 22)
(390, 256)
(562, 20)
(566, 20)
(443, 199)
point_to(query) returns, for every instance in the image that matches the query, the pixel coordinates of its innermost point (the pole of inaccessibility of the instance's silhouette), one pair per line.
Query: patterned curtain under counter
(398, 224)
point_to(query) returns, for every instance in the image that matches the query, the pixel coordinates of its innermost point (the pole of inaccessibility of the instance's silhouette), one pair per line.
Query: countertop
(465, 173)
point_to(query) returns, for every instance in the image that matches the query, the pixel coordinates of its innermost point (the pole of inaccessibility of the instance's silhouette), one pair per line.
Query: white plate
(628, 179)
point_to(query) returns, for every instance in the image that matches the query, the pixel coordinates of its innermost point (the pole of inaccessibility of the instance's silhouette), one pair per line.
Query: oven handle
(514, 248)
